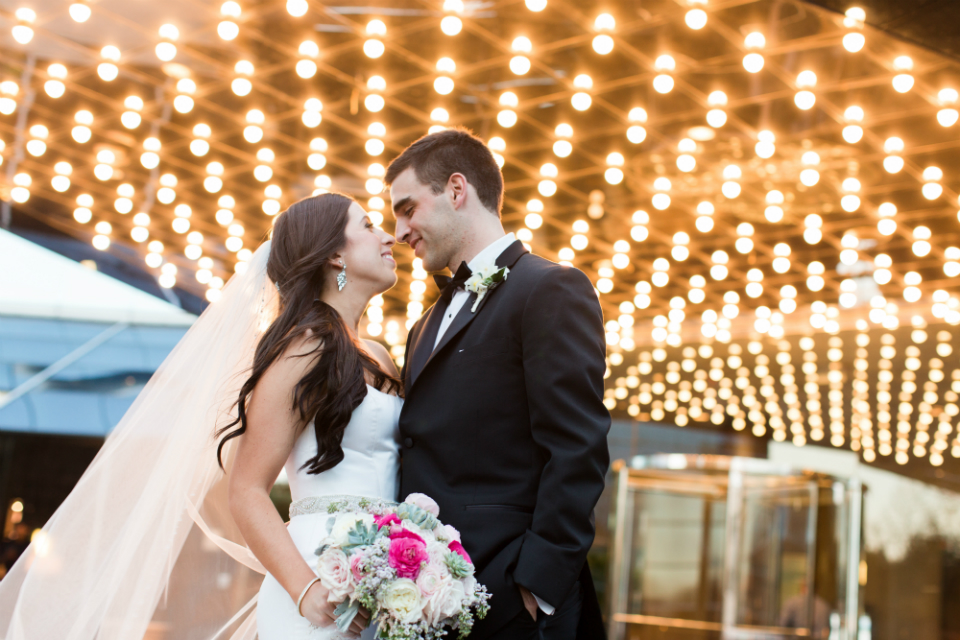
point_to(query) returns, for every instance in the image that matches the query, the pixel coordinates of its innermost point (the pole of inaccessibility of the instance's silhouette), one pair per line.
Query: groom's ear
(457, 187)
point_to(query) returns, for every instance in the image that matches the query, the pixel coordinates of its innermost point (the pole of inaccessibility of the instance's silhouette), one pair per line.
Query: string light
(108, 70)
(903, 82)
(228, 29)
(567, 211)
(167, 50)
(520, 64)
(603, 43)
(22, 32)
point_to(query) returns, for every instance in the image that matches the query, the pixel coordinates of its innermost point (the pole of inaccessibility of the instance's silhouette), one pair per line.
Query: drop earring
(342, 278)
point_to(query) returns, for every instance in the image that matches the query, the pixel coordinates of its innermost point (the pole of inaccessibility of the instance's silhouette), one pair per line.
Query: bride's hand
(320, 612)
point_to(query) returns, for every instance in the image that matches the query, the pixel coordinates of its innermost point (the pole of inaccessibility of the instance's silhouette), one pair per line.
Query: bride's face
(368, 253)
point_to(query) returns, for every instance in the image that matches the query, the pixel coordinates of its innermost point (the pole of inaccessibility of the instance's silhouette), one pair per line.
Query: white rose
(469, 587)
(333, 568)
(475, 281)
(425, 502)
(447, 533)
(446, 602)
(345, 523)
(402, 599)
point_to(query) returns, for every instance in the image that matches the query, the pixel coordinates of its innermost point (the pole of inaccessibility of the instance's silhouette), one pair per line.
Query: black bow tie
(449, 285)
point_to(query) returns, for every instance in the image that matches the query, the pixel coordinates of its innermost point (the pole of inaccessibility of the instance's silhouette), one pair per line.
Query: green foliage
(417, 516)
(362, 535)
(457, 565)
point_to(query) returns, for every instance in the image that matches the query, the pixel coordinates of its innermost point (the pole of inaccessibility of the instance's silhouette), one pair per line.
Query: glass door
(771, 535)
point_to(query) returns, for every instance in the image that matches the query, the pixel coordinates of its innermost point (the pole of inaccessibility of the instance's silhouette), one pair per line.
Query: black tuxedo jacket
(504, 426)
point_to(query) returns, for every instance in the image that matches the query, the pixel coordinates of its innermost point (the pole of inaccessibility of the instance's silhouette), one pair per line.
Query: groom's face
(425, 220)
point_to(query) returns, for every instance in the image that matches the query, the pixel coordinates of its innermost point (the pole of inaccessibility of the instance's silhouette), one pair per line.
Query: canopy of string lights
(762, 191)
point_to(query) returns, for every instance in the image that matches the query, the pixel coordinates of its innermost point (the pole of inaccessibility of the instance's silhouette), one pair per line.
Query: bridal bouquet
(404, 566)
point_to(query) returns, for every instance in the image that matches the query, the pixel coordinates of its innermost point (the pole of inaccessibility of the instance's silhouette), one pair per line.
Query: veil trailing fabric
(145, 547)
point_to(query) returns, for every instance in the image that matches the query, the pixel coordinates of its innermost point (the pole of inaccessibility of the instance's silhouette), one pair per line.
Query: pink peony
(456, 547)
(400, 532)
(425, 502)
(407, 553)
(384, 520)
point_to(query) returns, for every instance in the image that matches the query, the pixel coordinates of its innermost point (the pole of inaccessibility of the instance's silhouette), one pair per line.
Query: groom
(504, 423)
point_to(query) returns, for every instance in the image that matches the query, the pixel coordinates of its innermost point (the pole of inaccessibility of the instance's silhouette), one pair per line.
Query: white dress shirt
(489, 254)
(460, 297)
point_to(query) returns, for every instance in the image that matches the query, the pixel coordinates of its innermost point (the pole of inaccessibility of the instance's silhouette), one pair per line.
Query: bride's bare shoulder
(297, 358)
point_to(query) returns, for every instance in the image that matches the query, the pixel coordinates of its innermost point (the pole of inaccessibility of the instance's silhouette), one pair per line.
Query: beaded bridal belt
(338, 504)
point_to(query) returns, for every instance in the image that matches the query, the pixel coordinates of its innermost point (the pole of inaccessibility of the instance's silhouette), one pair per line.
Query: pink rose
(333, 568)
(406, 555)
(425, 502)
(456, 547)
(384, 520)
(355, 567)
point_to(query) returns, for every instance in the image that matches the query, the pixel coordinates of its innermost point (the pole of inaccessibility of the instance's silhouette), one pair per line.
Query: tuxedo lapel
(420, 351)
(466, 315)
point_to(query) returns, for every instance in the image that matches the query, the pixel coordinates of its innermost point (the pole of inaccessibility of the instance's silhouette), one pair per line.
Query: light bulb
(451, 25)
(79, 12)
(854, 41)
(696, 19)
(581, 101)
(228, 30)
(753, 62)
(603, 44)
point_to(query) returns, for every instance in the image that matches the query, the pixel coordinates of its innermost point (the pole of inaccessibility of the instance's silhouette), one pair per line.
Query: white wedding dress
(369, 469)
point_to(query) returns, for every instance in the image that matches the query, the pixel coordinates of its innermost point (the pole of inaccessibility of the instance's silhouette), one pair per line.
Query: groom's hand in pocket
(529, 602)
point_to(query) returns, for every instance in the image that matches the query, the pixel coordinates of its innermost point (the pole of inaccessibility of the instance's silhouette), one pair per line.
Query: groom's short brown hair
(437, 156)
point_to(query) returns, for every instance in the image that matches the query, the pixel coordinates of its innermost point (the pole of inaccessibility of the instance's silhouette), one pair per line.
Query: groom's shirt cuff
(546, 608)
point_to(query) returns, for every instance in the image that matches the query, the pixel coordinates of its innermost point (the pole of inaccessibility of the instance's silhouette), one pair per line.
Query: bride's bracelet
(303, 593)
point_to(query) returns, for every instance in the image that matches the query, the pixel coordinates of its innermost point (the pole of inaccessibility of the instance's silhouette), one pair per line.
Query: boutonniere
(486, 278)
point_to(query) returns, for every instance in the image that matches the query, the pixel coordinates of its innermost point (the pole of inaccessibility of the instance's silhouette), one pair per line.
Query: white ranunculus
(438, 553)
(402, 599)
(345, 523)
(333, 568)
(430, 580)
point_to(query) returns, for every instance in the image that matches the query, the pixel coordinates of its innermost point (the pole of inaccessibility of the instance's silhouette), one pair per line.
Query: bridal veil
(145, 547)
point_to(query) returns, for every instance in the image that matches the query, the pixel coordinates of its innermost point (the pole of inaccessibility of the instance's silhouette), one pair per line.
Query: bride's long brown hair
(305, 238)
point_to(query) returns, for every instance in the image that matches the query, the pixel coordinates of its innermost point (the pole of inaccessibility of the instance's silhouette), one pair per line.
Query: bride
(172, 510)
(326, 405)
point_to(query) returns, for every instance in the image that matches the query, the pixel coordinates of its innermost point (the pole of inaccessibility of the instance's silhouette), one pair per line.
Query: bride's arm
(272, 429)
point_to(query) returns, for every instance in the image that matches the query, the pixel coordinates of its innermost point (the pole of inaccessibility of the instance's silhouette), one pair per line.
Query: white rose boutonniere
(485, 278)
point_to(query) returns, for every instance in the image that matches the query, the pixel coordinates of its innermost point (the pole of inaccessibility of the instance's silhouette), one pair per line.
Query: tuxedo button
(408, 443)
